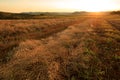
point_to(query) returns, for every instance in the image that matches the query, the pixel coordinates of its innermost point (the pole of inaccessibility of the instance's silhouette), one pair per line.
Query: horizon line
(55, 11)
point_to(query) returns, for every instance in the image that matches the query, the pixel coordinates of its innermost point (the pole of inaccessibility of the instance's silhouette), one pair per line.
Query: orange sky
(58, 5)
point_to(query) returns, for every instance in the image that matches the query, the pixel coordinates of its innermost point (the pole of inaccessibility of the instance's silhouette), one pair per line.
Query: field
(79, 47)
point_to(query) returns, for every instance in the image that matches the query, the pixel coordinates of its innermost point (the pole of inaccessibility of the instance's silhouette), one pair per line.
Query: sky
(58, 5)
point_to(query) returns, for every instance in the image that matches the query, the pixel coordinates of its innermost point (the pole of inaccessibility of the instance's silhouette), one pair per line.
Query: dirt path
(84, 51)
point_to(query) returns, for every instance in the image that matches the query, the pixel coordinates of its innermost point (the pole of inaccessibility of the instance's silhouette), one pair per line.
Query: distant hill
(44, 15)
(115, 12)
(47, 13)
(31, 15)
(7, 15)
(81, 12)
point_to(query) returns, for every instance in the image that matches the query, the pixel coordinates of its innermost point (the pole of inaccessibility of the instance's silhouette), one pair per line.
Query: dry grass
(87, 50)
(12, 32)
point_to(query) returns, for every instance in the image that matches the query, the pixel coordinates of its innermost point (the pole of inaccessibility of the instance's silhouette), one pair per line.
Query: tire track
(83, 51)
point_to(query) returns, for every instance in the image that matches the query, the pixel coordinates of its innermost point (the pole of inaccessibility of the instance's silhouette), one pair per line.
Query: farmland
(75, 47)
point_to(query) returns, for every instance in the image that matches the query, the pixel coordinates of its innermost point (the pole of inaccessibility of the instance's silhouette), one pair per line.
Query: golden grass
(84, 50)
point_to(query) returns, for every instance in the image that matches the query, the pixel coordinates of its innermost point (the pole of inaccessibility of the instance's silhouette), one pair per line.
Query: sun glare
(97, 6)
(59, 5)
(88, 5)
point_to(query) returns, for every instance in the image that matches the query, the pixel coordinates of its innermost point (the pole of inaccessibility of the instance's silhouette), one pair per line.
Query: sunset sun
(96, 6)
(88, 5)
